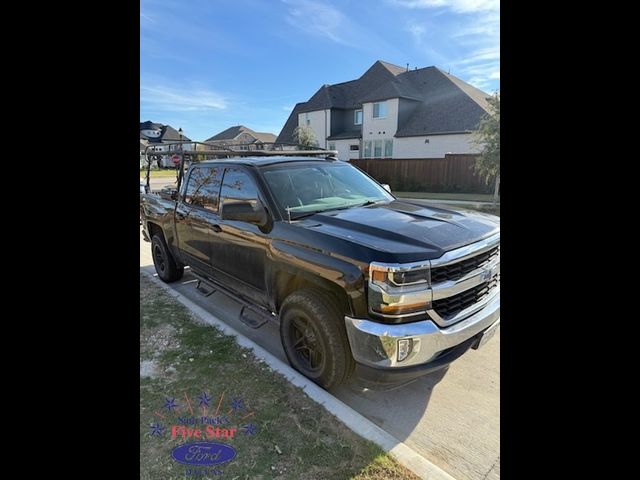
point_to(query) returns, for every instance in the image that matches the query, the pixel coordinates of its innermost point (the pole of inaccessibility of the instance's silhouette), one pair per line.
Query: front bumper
(375, 345)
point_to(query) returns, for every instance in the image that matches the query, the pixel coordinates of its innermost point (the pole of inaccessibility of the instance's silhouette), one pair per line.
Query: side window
(238, 186)
(204, 187)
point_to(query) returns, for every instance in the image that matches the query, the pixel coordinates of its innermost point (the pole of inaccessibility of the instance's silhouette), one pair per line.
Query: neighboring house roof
(232, 132)
(265, 137)
(445, 104)
(286, 134)
(149, 125)
(167, 132)
(171, 134)
(448, 105)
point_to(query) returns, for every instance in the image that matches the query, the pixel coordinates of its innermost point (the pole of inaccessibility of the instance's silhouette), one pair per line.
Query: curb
(352, 419)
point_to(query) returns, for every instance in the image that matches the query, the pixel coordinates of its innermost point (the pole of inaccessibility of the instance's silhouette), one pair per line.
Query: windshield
(306, 189)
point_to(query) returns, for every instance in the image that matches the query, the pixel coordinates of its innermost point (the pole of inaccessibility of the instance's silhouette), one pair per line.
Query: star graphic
(237, 404)
(250, 429)
(204, 400)
(170, 404)
(157, 429)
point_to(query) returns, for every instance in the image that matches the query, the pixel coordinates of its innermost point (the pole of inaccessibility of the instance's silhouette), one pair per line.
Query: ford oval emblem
(203, 453)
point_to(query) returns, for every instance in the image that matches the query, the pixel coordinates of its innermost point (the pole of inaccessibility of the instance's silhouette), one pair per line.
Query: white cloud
(460, 6)
(161, 97)
(417, 31)
(477, 33)
(144, 16)
(317, 18)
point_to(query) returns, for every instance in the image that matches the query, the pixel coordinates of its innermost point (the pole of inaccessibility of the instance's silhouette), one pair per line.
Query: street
(451, 418)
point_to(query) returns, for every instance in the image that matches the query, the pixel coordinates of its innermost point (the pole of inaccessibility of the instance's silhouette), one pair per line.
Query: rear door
(196, 217)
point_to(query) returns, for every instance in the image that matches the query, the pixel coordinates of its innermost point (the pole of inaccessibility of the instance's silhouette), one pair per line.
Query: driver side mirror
(250, 212)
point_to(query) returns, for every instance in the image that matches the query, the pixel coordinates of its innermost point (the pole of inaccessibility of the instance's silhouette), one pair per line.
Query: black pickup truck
(359, 281)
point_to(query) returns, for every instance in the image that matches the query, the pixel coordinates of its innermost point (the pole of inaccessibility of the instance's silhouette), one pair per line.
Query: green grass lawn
(168, 173)
(477, 197)
(293, 437)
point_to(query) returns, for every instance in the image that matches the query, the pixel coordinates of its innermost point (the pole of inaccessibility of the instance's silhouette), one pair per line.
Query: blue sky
(206, 65)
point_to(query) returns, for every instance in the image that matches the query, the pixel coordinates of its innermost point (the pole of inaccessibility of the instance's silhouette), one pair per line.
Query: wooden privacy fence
(454, 173)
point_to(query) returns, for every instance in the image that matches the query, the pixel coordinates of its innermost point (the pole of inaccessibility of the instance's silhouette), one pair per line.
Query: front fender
(294, 262)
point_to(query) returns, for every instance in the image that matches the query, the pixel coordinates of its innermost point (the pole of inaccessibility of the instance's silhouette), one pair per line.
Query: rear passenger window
(203, 188)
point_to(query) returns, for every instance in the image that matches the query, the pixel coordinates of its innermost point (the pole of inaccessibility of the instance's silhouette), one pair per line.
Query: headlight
(399, 290)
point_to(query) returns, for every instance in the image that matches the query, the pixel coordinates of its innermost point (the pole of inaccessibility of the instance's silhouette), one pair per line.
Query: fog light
(404, 348)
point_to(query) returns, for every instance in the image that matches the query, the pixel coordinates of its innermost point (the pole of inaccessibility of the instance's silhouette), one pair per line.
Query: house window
(306, 117)
(354, 147)
(357, 117)
(388, 148)
(367, 149)
(332, 146)
(377, 148)
(380, 110)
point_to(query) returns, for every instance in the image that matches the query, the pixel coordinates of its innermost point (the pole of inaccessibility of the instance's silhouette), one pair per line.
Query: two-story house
(241, 138)
(393, 112)
(158, 136)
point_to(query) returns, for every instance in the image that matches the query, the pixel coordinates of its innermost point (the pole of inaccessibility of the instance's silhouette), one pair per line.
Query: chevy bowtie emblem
(486, 275)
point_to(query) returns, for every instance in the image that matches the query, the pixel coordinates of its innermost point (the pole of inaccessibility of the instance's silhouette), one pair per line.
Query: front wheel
(166, 266)
(314, 338)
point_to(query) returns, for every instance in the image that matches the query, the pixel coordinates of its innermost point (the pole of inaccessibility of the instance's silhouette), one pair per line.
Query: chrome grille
(449, 307)
(455, 271)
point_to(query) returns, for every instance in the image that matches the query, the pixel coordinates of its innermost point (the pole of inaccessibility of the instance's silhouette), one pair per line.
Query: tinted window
(300, 189)
(238, 186)
(203, 188)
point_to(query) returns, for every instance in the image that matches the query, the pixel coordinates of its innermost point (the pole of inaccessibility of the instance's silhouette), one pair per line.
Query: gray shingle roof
(265, 137)
(171, 134)
(168, 133)
(229, 134)
(286, 134)
(446, 103)
(232, 132)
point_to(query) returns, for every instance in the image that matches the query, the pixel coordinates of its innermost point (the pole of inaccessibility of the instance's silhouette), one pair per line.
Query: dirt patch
(148, 368)
(156, 340)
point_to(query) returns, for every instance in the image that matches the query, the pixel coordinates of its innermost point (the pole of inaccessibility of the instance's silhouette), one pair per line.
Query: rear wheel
(314, 338)
(166, 266)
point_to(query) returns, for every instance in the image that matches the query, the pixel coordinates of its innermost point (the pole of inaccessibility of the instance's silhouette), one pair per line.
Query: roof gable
(232, 133)
(444, 103)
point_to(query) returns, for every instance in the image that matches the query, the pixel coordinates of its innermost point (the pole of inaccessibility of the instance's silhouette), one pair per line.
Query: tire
(166, 266)
(314, 338)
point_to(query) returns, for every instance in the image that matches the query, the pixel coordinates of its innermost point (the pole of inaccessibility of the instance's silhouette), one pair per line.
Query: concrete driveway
(451, 418)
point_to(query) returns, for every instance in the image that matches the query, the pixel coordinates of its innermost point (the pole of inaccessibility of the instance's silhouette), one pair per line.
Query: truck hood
(403, 230)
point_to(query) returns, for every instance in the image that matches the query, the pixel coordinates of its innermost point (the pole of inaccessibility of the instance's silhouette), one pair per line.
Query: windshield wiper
(344, 207)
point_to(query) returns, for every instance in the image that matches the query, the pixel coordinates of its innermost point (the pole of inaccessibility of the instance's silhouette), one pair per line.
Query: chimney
(407, 67)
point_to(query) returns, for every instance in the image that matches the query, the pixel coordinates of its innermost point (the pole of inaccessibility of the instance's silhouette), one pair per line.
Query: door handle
(216, 228)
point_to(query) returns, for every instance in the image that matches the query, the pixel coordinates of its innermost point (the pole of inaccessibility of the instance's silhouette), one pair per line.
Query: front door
(240, 252)
(197, 216)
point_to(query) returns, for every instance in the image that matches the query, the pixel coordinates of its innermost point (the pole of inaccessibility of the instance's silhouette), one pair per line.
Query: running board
(250, 315)
(204, 289)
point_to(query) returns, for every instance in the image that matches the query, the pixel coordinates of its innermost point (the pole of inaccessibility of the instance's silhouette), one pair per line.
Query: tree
(488, 136)
(303, 135)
